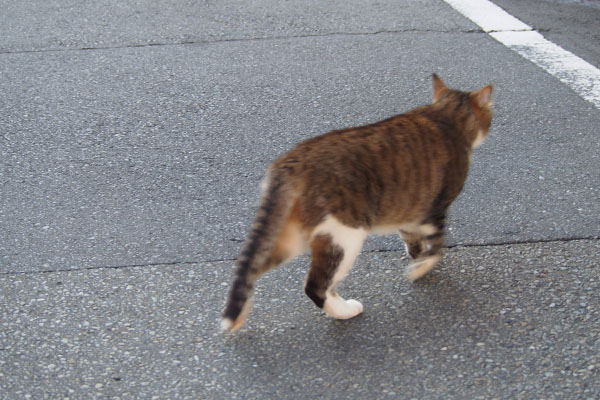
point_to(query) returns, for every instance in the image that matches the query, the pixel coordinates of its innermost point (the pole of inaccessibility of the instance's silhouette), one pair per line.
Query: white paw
(421, 268)
(355, 306)
(342, 309)
(226, 325)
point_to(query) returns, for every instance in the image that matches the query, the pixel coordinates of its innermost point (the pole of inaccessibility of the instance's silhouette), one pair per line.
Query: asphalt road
(572, 24)
(133, 139)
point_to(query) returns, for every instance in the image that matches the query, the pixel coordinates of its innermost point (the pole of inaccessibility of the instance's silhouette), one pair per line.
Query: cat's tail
(275, 207)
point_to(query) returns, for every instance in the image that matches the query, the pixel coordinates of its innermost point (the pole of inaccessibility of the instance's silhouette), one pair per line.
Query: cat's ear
(483, 97)
(438, 87)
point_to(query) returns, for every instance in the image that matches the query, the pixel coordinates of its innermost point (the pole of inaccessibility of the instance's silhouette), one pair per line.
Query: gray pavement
(511, 321)
(133, 139)
(572, 24)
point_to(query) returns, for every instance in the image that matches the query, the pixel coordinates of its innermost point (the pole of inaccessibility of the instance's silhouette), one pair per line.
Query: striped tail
(274, 209)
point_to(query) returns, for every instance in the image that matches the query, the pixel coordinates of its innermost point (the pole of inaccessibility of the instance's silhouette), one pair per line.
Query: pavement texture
(572, 24)
(512, 321)
(134, 135)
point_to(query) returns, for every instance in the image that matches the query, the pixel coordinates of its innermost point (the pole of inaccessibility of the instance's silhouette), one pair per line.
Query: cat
(397, 175)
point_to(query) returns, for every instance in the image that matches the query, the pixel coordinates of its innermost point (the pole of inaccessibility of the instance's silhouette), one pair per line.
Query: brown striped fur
(400, 174)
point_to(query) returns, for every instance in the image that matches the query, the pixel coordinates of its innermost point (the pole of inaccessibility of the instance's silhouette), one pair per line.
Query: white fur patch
(427, 229)
(387, 229)
(340, 308)
(342, 235)
(350, 240)
(479, 139)
(424, 229)
(229, 325)
(266, 181)
(419, 269)
(226, 325)
(406, 249)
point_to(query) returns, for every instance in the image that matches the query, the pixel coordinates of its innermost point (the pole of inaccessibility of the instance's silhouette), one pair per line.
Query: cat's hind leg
(334, 248)
(433, 240)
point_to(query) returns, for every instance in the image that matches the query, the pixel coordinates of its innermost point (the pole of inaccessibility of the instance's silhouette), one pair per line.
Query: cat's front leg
(431, 246)
(413, 242)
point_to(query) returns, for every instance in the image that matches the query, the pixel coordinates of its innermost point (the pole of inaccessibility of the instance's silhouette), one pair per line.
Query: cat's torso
(379, 176)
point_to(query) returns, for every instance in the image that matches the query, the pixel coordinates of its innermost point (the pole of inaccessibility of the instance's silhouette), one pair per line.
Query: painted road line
(575, 72)
(488, 16)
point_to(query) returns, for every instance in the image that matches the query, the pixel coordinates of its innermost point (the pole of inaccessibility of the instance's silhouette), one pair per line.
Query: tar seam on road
(174, 263)
(575, 72)
(227, 40)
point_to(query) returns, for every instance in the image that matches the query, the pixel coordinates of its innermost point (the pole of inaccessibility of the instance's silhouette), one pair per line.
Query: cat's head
(477, 105)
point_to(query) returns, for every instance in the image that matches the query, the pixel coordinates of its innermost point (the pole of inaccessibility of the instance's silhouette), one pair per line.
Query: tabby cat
(327, 194)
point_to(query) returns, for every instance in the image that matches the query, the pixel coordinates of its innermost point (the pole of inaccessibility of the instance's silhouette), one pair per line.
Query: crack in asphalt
(177, 263)
(512, 242)
(226, 40)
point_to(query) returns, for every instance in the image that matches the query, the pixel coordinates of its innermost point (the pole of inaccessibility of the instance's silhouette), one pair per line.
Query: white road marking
(575, 72)
(488, 16)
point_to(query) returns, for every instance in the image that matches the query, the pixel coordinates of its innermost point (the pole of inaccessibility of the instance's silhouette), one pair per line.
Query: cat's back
(369, 175)
(413, 135)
